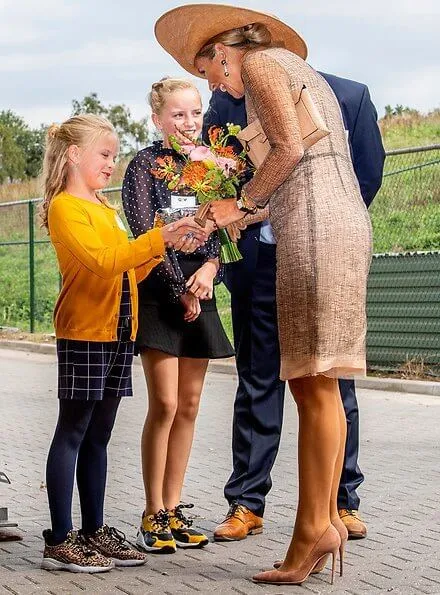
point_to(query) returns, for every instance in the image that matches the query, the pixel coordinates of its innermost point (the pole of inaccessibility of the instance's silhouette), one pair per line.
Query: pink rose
(226, 164)
(187, 148)
(201, 153)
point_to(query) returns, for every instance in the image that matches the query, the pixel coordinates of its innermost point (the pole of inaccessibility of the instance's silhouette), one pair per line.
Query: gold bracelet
(248, 204)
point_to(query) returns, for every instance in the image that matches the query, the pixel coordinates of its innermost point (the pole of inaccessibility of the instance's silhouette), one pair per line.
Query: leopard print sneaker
(112, 544)
(73, 555)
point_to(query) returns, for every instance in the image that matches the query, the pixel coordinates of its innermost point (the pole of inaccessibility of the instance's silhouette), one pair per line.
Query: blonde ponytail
(161, 91)
(79, 130)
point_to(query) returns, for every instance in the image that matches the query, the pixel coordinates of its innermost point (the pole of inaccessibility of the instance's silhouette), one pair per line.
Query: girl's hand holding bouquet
(185, 235)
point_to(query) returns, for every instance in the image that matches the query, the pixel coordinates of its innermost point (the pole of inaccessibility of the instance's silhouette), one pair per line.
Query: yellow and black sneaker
(155, 535)
(184, 536)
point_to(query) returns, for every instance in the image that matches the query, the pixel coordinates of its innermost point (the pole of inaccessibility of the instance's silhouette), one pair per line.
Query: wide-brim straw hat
(184, 30)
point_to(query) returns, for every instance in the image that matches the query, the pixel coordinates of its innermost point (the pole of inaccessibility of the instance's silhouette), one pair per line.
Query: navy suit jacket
(368, 155)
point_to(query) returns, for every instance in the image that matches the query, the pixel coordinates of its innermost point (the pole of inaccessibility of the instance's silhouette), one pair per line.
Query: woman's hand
(223, 212)
(210, 226)
(185, 235)
(191, 306)
(234, 230)
(201, 283)
(183, 139)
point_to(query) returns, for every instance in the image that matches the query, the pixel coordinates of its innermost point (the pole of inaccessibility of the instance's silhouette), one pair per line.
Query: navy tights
(81, 437)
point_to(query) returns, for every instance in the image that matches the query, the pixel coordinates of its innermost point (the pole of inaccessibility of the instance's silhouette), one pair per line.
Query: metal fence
(406, 212)
(403, 311)
(405, 217)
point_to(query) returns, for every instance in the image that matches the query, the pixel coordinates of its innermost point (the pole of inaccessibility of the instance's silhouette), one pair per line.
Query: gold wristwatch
(246, 204)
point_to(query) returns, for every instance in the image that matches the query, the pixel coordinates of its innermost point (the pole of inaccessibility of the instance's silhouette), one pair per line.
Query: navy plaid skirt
(93, 370)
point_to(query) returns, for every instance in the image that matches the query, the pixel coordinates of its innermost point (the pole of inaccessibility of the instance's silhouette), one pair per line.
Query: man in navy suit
(258, 407)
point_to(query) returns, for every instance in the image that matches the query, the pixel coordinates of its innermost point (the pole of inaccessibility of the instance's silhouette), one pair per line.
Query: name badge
(120, 223)
(180, 202)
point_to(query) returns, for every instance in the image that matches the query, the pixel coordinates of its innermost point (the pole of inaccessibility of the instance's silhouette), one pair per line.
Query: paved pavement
(400, 456)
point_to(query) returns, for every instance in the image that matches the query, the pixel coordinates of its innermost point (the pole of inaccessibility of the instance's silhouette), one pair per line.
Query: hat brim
(184, 30)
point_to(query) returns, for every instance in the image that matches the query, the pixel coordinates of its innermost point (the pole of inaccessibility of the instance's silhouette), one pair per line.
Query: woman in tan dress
(323, 236)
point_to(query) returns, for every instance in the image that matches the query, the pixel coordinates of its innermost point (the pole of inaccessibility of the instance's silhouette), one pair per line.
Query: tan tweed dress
(320, 222)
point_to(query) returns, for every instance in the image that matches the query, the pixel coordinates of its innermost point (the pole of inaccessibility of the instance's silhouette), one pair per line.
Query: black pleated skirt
(162, 327)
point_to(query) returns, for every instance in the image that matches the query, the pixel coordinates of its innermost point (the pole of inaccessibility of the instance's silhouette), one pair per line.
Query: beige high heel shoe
(316, 570)
(343, 534)
(328, 543)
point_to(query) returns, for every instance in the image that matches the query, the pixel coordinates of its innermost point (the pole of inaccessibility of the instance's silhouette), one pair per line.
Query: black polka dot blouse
(142, 195)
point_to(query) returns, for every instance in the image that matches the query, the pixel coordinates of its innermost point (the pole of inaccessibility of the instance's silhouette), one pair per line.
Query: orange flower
(213, 134)
(227, 151)
(193, 172)
(166, 169)
(166, 161)
(161, 174)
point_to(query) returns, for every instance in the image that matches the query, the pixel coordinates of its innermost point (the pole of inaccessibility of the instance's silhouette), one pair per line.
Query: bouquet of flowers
(209, 171)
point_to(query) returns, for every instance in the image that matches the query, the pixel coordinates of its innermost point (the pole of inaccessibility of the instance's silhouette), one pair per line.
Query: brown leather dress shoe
(355, 526)
(238, 524)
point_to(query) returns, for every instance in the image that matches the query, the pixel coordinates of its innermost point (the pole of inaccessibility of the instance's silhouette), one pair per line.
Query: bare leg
(161, 373)
(318, 400)
(191, 377)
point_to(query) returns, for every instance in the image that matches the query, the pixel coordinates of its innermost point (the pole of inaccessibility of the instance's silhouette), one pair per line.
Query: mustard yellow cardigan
(93, 251)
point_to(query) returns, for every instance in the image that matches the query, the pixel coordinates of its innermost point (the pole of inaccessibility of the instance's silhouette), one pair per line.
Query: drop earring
(225, 66)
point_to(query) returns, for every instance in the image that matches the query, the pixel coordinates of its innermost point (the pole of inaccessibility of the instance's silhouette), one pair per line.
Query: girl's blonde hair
(80, 130)
(161, 90)
(249, 37)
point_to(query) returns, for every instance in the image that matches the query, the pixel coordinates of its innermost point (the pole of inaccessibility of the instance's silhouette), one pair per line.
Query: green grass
(406, 213)
(15, 286)
(411, 130)
(224, 308)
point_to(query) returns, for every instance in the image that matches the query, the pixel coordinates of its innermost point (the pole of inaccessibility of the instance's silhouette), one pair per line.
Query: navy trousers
(259, 402)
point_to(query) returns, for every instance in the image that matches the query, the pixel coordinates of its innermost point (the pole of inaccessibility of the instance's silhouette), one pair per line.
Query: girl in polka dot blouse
(179, 328)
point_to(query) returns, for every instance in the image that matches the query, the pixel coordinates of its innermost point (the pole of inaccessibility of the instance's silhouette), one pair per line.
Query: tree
(89, 105)
(33, 141)
(400, 110)
(22, 148)
(12, 158)
(389, 112)
(133, 134)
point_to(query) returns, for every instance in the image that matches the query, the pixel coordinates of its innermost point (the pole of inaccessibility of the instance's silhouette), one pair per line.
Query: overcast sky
(53, 51)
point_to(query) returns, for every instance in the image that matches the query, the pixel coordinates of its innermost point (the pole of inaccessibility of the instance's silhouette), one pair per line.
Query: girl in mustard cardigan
(95, 324)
